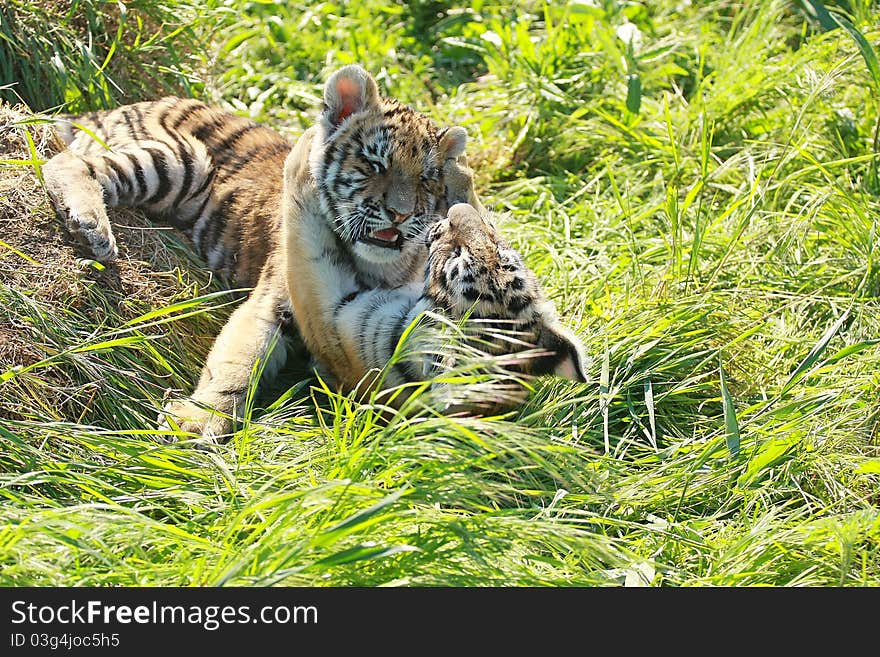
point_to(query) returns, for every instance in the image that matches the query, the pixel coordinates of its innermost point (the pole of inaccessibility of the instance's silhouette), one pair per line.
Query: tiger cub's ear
(348, 91)
(566, 356)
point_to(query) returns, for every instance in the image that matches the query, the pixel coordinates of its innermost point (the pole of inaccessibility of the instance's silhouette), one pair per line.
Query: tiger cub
(471, 274)
(345, 208)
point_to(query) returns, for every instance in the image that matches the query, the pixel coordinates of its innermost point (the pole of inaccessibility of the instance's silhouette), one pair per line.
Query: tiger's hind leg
(78, 199)
(165, 173)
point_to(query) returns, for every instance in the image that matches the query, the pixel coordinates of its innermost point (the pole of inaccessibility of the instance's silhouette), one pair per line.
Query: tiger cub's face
(378, 168)
(472, 271)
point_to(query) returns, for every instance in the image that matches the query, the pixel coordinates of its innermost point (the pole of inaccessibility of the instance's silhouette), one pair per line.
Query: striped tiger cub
(330, 231)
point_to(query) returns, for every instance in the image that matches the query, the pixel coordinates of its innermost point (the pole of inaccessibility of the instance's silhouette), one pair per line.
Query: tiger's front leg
(252, 342)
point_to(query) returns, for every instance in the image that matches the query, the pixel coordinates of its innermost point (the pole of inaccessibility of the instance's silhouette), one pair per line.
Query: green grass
(702, 205)
(94, 54)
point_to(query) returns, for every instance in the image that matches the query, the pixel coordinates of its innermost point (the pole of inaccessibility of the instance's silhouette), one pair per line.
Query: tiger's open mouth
(387, 238)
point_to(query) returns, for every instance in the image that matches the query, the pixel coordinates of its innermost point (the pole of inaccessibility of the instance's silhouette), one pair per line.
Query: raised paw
(458, 179)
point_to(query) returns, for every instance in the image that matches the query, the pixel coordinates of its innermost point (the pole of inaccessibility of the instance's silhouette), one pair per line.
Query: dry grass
(42, 274)
(41, 259)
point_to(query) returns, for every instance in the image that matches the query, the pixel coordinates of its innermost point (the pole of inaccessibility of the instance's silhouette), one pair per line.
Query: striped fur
(214, 175)
(330, 231)
(470, 273)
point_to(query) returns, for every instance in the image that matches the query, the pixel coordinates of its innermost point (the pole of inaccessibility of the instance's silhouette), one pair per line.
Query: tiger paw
(93, 234)
(79, 203)
(191, 418)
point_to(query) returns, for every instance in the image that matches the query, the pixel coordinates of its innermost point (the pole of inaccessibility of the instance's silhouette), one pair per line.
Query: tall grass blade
(731, 426)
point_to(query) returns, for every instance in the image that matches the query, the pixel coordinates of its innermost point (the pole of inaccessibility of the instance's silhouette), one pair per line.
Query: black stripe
(470, 293)
(329, 155)
(95, 118)
(358, 140)
(123, 182)
(186, 160)
(139, 176)
(402, 371)
(183, 155)
(192, 108)
(372, 324)
(232, 257)
(517, 303)
(232, 391)
(208, 234)
(186, 223)
(205, 183)
(405, 368)
(371, 319)
(347, 299)
(399, 324)
(333, 256)
(360, 336)
(558, 349)
(216, 227)
(209, 128)
(235, 161)
(132, 130)
(235, 135)
(160, 164)
(414, 374)
(139, 115)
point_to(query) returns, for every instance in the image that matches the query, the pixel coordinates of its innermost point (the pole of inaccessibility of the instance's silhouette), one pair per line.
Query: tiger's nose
(399, 217)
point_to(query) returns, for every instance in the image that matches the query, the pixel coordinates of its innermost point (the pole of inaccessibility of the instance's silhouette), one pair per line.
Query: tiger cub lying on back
(332, 233)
